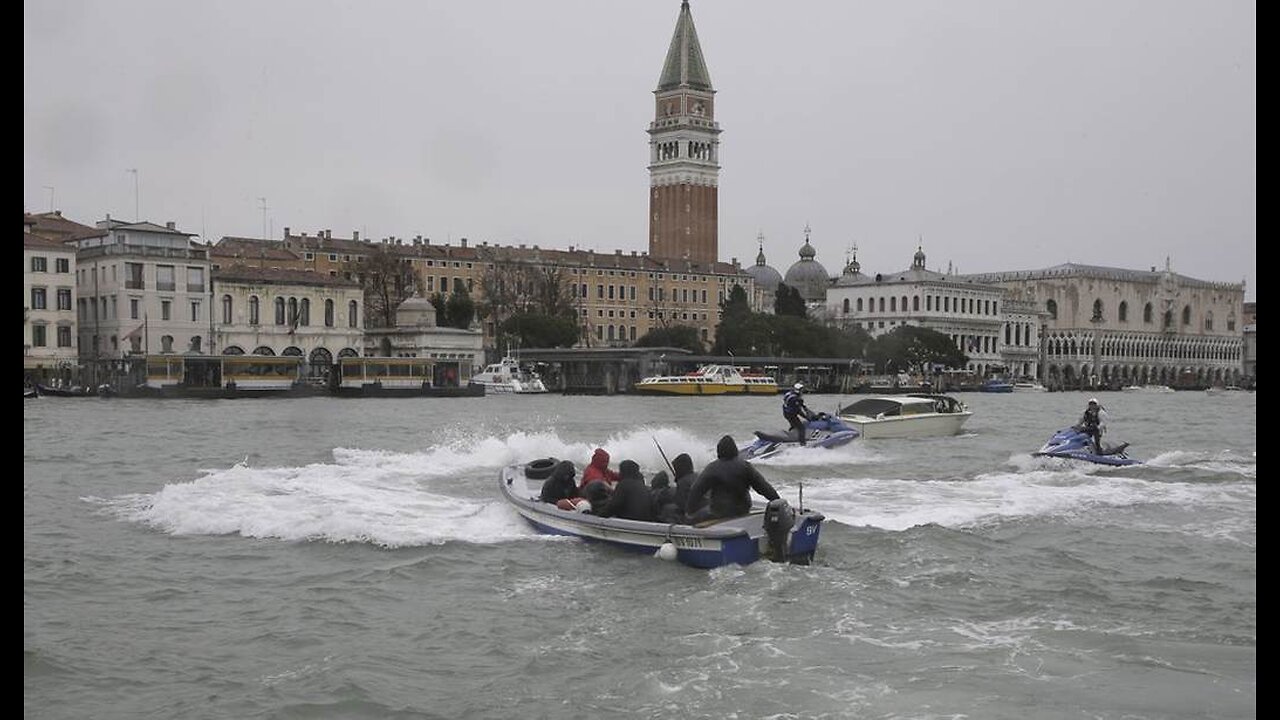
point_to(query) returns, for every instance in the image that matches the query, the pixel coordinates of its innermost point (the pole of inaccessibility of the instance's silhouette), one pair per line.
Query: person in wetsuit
(1091, 424)
(794, 410)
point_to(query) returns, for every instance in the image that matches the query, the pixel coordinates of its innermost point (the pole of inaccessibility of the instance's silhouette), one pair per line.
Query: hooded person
(598, 469)
(630, 498)
(729, 481)
(559, 485)
(685, 477)
(662, 496)
(1092, 423)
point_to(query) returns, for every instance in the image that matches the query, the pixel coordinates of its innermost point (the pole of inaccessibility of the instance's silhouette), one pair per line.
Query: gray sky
(1006, 134)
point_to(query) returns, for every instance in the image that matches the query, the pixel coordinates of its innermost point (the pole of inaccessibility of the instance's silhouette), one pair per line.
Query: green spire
(684, 65)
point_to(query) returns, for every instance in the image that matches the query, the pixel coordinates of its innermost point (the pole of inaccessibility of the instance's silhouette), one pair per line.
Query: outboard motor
(779, 518)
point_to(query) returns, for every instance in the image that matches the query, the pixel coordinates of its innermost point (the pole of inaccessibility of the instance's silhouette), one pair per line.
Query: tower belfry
(684, 153)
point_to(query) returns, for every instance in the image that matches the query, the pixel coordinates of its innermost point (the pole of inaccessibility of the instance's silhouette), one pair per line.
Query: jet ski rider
(793, 408)
(1091, 423)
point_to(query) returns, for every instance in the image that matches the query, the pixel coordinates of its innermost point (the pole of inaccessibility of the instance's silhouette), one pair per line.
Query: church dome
(808, 275)
(767, 278)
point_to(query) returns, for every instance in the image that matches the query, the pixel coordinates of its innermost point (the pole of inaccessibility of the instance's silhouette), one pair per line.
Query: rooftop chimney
(170, 225)
(286, 231)
(355, 235)
(464, 242)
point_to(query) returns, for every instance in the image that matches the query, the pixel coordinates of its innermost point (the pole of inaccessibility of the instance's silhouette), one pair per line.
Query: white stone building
(273, 311)
(1109, 327)
(49, 302)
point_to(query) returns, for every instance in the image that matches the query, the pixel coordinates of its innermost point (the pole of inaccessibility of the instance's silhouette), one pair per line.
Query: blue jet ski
(1077, 445)
(821, 431)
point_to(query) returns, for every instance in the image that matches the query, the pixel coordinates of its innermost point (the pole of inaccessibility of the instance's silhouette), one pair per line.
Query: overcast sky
(1006, 134)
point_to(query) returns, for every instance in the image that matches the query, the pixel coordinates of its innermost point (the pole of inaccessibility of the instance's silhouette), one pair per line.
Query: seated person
(729, 480)
(630, 498)
(663, 497)
(685, 477)
(559, 485)
(598, 469)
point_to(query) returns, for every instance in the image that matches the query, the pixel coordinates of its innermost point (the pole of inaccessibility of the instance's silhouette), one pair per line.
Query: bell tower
(684, 153)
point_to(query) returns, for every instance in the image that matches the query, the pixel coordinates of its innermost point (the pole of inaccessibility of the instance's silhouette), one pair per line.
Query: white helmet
(799, 386)
(1093, 401)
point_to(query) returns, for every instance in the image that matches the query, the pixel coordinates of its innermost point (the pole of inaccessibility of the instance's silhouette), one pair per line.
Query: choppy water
(323, 558)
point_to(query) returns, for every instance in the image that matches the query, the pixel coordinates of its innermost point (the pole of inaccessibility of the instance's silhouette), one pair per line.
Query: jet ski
(1078, 445)
(821, 431)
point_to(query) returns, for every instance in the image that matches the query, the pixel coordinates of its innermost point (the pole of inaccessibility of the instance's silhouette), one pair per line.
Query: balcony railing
(135, 284)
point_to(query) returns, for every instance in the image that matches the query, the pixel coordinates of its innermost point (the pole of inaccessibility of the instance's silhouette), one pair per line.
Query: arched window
(1122, 313)
(1208, 320)
(253, 309)
(280, 311)
(893, 304)
(859, 304)
(1007, 335)
(610, 332)
(915, 303)
(233, 350)
(1186, 314)
(881, 304)
(353, 314)
(264, 351)
(306, 311)
(1147, 314)
(1051, 307)
(1097, 309)
(328, 313)
(226, 309)
(904, 303)
(166, 343)
(293, 312)
(194, 345)
(846, 306)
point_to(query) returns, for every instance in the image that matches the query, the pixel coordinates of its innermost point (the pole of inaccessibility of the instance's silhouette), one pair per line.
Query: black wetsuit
(729, 479)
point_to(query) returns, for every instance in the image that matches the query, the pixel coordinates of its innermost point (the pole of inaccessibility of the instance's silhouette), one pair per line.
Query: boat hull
(696, 388)
(736, 541)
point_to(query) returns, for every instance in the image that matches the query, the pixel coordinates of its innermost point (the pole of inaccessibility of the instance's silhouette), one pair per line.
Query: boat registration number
(687, 542)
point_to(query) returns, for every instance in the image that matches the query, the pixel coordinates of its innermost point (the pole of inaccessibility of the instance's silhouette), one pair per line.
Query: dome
(808, 275)
(415, 310)
(852, 274)
(767, 279)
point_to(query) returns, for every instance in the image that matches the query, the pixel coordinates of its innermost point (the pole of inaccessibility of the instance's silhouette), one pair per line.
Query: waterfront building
(972, 314)
(142, 288)
(286, 312)
(1110, 327)
(49, 301)
(455, 353)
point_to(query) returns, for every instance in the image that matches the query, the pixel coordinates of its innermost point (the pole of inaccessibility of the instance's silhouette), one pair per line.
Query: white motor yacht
(507, 376)
(906, 416)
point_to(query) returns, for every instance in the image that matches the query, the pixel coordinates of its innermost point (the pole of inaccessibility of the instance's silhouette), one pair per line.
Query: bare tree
(387, 279)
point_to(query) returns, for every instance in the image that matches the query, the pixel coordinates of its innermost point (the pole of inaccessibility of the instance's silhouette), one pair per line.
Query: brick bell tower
(684, 153)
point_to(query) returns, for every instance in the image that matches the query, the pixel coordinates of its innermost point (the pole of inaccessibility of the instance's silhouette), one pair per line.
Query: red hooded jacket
(598, 469)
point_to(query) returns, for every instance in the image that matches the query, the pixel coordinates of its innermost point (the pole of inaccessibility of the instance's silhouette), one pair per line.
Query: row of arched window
(932, 303)
(1148, 348)
(290, 312)
(1148, 314)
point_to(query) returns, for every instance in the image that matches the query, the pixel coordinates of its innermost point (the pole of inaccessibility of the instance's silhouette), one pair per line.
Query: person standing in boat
(1092, 423)
(729, 481)
(793, 409)
(630, 499)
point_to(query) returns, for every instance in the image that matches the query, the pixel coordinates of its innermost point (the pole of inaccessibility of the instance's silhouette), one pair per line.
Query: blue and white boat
(775, 531)
(822, 431)
(1076, 445)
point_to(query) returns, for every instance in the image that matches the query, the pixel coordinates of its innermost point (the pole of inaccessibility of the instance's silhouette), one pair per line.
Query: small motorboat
(1076, 444)
(775, 531)
(906, 416)
(822, 431)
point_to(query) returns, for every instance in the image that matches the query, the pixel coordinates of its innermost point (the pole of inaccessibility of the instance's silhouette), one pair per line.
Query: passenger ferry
(223, 375)
(710, 380)
(403, 377)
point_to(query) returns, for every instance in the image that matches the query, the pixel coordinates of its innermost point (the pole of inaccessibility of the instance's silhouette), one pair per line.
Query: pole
(136, 215)
(664, 459)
